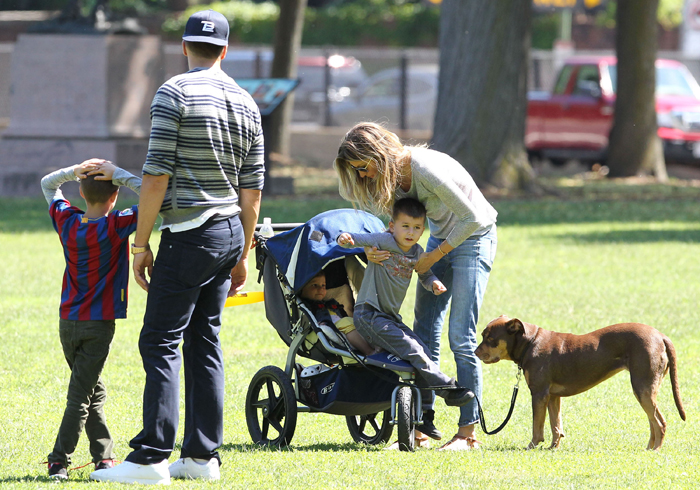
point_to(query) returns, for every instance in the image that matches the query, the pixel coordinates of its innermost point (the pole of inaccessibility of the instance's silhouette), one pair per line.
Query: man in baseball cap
(207, 26)
(204, 173)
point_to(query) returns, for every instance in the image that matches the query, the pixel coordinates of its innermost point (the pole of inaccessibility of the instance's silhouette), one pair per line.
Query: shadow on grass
(331, 447)
(31, 215)
(635, 236)
(28, 479)
(546, 212)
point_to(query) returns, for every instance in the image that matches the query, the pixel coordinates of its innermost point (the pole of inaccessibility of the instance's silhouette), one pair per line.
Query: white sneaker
(195, 468)
(127, 472)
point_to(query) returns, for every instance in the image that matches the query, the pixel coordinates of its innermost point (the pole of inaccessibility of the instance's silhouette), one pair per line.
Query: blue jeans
(465, 272)
(191, 278)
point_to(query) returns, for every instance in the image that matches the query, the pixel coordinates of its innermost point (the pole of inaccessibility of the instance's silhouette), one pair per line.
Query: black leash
(510, 411)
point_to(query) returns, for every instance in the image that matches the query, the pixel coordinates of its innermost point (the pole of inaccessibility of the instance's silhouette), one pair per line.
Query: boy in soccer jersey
(96, 250)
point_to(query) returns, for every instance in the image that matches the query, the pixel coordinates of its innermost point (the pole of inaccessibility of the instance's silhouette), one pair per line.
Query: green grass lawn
(572, 266)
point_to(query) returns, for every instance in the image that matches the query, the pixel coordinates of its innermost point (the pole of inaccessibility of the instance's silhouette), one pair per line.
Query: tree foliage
(365, 22)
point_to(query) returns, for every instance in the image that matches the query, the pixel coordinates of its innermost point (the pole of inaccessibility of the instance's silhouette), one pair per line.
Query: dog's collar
(518, 354)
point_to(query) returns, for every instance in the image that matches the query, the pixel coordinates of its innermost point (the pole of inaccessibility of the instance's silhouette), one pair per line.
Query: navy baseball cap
(207, 26)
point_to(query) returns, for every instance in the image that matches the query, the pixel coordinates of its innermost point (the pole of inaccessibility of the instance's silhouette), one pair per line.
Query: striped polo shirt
(97, 261)
(207, 137)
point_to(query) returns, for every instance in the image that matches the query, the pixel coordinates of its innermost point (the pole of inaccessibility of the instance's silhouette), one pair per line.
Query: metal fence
(335, 82)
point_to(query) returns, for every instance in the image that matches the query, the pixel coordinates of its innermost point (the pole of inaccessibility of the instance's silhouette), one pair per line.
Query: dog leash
(510, 411)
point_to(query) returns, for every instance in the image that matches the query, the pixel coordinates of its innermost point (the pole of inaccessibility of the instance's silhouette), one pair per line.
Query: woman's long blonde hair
(370, 142)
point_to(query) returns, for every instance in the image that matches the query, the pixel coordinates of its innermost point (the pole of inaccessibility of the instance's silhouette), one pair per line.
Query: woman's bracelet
(440, 249)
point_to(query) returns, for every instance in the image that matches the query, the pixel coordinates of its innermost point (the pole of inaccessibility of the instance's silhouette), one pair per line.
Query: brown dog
(563, 364)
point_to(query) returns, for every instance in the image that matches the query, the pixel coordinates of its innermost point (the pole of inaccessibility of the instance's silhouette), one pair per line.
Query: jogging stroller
(374, 393)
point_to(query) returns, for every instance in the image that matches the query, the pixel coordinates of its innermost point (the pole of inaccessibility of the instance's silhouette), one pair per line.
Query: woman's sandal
(460, 443)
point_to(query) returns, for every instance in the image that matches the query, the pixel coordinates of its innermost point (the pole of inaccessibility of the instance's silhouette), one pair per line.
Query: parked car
(574, 120)
(379, 99)
(346, 74)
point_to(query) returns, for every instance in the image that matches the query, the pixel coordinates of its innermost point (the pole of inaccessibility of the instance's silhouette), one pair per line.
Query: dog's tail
(671, 351)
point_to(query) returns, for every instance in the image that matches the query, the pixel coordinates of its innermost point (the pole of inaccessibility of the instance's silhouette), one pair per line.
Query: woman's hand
(426, 261)
(377, 256)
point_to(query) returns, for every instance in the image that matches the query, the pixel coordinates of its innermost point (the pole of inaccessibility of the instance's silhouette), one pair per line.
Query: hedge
(360, 23)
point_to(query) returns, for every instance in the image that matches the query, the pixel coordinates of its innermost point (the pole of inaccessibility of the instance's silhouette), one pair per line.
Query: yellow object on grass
(245, 298)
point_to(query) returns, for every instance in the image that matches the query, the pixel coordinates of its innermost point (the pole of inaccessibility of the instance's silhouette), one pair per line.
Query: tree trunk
(284, 65)
(482, 90)
(635, 147)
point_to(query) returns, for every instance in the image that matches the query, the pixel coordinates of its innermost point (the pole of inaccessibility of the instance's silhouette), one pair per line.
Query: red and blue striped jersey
(95, 282)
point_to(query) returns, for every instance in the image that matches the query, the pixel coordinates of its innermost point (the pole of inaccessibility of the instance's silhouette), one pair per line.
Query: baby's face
(315, 289)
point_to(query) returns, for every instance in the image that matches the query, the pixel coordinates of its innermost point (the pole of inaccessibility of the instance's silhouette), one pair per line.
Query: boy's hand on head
(438, 288)
(83, 170)
(345, 239)
(105, 171)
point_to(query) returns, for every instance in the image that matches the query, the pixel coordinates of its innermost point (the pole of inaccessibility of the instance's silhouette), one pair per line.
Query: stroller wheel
(406, 415)
(374, 428)
(271, 408)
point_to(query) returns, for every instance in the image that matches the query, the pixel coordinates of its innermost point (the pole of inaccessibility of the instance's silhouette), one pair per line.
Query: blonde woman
(374, 169)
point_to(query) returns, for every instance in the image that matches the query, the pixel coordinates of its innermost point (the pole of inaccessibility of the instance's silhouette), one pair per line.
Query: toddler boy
(384, 288)
(94, 294)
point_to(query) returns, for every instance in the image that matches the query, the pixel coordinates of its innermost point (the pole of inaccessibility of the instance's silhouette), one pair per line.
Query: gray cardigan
(456, 208)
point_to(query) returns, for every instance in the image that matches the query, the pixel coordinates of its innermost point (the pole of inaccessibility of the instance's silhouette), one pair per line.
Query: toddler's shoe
(57, 471)
(128, 472)
(105, 464)
(195, 468)
(455, 396)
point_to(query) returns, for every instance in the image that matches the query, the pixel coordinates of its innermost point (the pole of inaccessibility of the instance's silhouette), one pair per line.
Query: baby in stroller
(331, 312)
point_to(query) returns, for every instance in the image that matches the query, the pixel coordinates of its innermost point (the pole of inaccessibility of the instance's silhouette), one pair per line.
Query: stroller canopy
(302, 252)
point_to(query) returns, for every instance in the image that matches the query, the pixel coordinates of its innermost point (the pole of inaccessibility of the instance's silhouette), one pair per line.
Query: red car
(574, 121)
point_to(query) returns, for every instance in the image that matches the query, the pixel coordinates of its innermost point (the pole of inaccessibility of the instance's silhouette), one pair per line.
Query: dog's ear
(515, 326)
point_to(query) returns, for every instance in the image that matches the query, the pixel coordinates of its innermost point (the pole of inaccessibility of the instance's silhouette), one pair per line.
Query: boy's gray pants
(85, 347)
(385, 331)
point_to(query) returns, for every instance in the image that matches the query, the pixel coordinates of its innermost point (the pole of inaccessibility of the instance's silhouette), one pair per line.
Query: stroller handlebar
(280, 226)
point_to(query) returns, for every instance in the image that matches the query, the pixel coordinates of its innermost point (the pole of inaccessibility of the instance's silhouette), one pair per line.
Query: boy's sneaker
(128, 472)
(57, 471)
(104, 464)
(455, 397)
(428, 427)
(191, 468)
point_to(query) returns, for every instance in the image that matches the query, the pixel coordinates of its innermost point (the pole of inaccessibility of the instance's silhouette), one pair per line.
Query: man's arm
(153, 188)
(249, 202)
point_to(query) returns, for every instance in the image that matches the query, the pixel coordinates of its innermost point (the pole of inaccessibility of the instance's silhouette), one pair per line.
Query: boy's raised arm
(108, 171)
(126, 178)
(51, 183)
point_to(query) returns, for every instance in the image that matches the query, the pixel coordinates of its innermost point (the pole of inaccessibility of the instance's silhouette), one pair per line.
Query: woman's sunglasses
(361, 169)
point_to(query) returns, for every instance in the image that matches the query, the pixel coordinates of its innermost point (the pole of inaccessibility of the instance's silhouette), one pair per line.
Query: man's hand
(143, 262)
(239, 275)
(438, 288)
